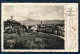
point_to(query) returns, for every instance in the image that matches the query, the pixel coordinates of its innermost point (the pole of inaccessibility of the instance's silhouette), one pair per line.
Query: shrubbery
(32, 41)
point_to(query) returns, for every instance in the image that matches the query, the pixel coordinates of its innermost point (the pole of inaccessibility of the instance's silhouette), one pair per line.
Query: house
(57, 29)
(10, 26)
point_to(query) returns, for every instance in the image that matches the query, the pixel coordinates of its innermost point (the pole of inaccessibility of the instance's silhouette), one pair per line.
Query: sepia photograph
(33, 26)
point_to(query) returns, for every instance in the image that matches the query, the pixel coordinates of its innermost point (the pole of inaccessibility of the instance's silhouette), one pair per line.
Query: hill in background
(35, 22)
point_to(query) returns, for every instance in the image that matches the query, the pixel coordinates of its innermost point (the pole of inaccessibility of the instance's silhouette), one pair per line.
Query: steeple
(41, 22)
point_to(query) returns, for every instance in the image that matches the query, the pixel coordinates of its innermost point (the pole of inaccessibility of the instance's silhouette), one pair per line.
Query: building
(11, 26)
(51, 28)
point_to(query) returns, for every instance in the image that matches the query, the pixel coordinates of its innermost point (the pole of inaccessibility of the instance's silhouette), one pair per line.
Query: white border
(68, 47)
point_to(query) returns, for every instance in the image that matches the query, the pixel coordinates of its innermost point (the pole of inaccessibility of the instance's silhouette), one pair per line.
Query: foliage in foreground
(32, 41)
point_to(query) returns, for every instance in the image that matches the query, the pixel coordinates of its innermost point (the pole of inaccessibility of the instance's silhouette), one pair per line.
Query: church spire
(41, 22)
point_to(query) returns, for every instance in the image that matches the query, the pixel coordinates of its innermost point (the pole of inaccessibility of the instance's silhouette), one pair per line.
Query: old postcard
(39, 27)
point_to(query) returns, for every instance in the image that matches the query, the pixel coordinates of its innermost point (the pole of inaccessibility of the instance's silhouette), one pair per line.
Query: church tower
(41, 22)
(11, 17)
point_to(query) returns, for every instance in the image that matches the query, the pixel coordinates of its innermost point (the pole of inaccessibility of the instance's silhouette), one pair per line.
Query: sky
(39, 12)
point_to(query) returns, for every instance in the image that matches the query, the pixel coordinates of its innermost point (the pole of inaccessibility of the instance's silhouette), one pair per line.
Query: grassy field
(34, 40)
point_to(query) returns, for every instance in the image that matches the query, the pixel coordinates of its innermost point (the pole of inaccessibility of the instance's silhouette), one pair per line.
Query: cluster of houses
(12, 26)
(57, 29)
(51, 28)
